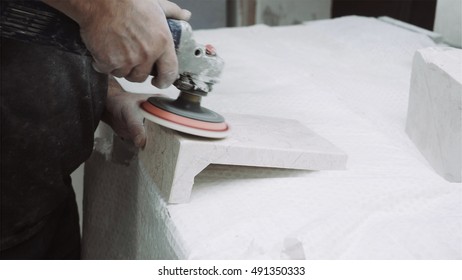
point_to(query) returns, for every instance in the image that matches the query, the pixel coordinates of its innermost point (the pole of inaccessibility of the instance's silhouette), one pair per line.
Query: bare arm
(127, 37)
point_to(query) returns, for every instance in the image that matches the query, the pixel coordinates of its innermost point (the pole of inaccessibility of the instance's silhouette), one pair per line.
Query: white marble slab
(173, 159)
(434, 119)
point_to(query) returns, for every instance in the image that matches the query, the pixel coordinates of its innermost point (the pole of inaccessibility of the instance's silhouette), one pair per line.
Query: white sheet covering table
(346, 79)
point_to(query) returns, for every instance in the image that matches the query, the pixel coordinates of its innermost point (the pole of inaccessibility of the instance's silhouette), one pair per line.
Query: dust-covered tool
(199, 69)
(199, 65)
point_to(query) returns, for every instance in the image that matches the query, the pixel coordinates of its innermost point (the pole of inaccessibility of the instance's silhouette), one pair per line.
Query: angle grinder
(199, 65)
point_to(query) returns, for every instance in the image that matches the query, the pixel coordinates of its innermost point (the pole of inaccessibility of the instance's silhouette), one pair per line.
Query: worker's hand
(122, 113)
(127, 37)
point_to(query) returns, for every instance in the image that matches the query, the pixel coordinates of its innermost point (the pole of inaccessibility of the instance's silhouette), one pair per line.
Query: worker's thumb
(136, 128)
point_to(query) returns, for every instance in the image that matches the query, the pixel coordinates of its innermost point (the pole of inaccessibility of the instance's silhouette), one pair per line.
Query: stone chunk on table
(434, 120)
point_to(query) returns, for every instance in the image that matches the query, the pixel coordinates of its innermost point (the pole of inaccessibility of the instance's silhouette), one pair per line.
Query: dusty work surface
(346, 79)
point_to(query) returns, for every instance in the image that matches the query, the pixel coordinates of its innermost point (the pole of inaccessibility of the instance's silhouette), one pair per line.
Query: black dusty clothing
(57, 239)
(51, 103)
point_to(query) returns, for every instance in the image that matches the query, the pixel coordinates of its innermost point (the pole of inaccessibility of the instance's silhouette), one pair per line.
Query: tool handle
(37, 23)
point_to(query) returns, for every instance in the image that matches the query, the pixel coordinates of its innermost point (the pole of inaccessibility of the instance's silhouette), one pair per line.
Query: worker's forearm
(78, 10)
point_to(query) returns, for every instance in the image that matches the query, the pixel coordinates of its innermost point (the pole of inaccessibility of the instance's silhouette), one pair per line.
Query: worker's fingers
(135, 126)
(174, 11)
(123, 113)
(121, 72)
(97, 67)
(139, 73)
(135, 121)
(110, 68)
(166, 69)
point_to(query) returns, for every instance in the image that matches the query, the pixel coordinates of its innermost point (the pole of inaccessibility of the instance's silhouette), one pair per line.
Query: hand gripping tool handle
(37, 23)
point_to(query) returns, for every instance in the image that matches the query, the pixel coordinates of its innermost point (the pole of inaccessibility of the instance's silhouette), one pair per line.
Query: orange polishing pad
(183, 124)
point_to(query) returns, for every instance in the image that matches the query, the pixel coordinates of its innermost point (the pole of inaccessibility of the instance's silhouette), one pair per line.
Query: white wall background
(287, 12)
(448, 21)
(278, 12)
(205, 13)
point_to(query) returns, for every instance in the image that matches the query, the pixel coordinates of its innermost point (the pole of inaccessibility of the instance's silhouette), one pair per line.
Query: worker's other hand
(128, 37)
(123, 114)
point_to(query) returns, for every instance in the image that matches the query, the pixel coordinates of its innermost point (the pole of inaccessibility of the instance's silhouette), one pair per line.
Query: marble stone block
(434, 119)
(173, 159)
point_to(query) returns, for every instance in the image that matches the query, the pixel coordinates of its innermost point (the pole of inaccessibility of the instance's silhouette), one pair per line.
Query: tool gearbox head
(199, 65)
